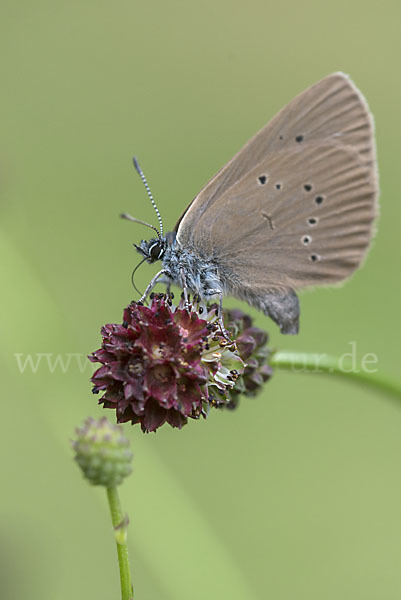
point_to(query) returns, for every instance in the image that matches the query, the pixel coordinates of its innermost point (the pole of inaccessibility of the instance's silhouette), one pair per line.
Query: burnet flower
(251, 344)
(165, 364)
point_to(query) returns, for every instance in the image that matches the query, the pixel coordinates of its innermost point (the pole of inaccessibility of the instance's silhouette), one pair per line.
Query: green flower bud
(102, 452)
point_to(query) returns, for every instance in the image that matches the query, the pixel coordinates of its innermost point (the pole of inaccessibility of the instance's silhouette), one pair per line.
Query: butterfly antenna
(145, 183)
(130, 218)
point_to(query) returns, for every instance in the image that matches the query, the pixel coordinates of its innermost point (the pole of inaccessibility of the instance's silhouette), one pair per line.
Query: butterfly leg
(184, 288)
(152, 284)
(219, 293)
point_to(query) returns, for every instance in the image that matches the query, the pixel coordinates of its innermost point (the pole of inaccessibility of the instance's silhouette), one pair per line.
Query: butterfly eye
(312, 221)
(155, 251)
(262, 179)
(319, 199)
(307, 187)
(306, 239)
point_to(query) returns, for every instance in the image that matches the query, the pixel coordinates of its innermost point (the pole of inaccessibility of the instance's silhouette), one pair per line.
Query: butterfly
(294, 208)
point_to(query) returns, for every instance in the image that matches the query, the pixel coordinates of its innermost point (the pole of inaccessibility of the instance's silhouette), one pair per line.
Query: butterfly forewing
(295, 206)
(332, 110)
(303, 226)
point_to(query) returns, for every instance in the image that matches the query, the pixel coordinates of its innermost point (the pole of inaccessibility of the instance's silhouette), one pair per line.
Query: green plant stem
(120, 530)
(323, 363)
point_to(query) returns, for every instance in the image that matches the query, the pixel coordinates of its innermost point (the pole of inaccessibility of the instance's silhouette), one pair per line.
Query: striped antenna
(145, 183)
(129, 218)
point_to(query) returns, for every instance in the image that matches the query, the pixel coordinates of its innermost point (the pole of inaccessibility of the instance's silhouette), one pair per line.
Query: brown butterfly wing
(333, 109)
(295, 206)
(308, 223)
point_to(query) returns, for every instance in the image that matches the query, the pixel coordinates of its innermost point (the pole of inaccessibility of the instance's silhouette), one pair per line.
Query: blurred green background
(297, 493)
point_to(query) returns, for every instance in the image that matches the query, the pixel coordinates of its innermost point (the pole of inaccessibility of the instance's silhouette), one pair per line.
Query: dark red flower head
(165, 364)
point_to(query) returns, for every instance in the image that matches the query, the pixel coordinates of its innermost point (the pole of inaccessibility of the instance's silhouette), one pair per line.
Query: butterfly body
(207, 278)
(294, 208)
(184, 267)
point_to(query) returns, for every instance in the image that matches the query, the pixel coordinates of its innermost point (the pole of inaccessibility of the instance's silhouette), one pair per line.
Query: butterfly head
(153, 249)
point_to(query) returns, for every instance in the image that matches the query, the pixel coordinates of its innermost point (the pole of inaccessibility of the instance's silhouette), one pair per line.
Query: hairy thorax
(187, 269)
